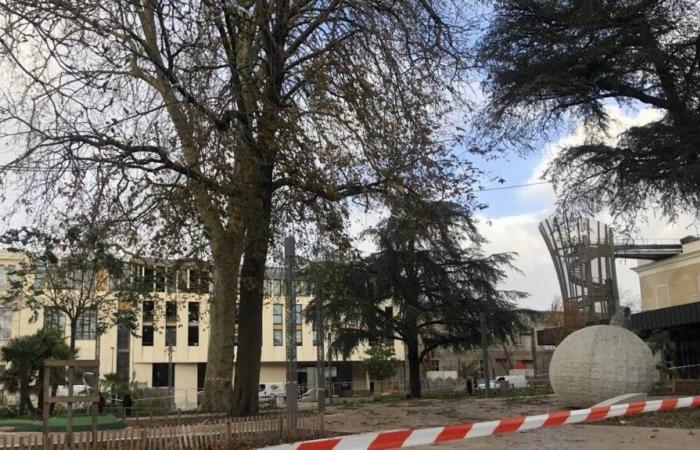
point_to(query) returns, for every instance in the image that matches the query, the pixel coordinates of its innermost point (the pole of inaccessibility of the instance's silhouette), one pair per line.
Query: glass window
(40, 276)
(147, 336)
(161, 375)
(193, 335)
(148, 311)
(435, 364)
(6, 323)
(299, 337)
(298, 319)
(170, 335)
(87, 325)
(159, 279)
(55, 320)
(277, 287)
(277, 338)
(193, 312)
(171, 311)
(277, 314)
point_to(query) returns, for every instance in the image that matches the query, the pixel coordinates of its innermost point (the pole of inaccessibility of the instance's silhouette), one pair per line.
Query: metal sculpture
(583, 252)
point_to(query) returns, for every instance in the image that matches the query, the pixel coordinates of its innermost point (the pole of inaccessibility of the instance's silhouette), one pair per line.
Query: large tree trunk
(25, 401)
(247, 377)
(218, 390)
(414, 361)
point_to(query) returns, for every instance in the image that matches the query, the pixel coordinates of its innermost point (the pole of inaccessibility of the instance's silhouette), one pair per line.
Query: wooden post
(69, 411)
(485, 353)
(533, 347)
(290, 341)
(45, 406)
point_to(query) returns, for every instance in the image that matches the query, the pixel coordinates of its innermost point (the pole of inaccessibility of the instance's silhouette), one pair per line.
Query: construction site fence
(243, 432)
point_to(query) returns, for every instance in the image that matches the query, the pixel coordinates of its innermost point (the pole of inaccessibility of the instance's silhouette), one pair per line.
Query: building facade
(172, 333)
(670, 298)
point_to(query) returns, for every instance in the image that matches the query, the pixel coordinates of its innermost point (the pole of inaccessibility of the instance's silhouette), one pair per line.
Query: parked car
(272, 390)
(513, 381)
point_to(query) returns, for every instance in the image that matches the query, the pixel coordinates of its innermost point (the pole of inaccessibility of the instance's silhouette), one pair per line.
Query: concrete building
(670, 297)
(173, 329)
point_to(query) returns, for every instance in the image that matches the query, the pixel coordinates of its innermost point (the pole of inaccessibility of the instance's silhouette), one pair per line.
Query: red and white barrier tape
(382, 440)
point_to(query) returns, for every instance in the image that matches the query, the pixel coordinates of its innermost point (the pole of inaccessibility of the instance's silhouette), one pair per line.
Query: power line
(514, 186)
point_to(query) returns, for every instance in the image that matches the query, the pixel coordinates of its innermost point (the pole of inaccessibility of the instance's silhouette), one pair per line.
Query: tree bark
(247, 375)
(413, 368)
(24, 397)
(218, 390)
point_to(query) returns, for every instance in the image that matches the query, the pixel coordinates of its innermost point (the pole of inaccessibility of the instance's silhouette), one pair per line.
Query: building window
(277, 338)
(55, 320)
(148, 311)
(662, 296)
(159, 279)
(170, 335)
(298, 319)
(201, 374)
(314, 333)
(5, 324)
(87, 325)
(160, 375)
(171, 311)
(199, 281)
(435, 365)
(277, 322)
(193, 335)
(182, 279)
(147, 335)
(193, 324)
(277, 314)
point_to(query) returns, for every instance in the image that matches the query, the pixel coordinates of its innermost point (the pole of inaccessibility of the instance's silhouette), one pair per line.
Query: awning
(673, 316)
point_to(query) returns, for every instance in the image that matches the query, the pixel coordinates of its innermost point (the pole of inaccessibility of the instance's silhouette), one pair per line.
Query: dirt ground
(357, 418)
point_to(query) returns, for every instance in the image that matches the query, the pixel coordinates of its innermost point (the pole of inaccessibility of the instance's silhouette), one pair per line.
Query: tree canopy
(425, 286)
(549, 60)
(75, 272)
(26, 355)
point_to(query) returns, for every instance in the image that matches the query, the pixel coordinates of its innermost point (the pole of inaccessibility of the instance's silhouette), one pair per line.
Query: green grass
(80, 423)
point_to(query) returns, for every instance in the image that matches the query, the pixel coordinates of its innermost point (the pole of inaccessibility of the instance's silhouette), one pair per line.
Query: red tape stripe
(598, 413)
(556, 418)
(454, 432)
(389, 439)
(325, 444)
(670, 403)
(509, 425)
(635, 408)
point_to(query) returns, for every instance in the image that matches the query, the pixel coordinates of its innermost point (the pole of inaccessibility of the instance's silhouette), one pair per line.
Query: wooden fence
(230, 433)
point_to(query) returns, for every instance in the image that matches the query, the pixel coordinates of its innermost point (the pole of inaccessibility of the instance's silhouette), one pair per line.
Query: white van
(272, 390)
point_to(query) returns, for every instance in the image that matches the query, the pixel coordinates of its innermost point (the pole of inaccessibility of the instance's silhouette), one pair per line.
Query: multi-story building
(172, 332)
(670, 297)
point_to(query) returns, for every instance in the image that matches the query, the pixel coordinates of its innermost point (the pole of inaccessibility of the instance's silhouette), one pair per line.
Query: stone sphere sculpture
(600, 362)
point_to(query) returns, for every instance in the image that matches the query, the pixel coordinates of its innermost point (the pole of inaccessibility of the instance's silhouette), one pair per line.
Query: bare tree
(213, 115)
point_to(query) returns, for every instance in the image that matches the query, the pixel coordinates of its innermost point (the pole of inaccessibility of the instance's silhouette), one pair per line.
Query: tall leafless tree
(217, 114)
